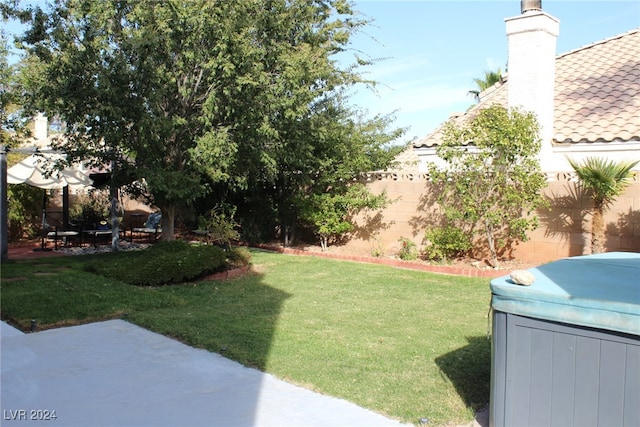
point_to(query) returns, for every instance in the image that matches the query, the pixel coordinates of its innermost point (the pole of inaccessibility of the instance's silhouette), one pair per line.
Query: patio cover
(36, 170)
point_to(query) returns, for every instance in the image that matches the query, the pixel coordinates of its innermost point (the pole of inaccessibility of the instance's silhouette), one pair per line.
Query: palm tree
(607, 180)
(490, 78)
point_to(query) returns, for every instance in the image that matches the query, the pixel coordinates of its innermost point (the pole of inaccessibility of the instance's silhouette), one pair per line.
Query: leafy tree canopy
(239, 92)
(492, 182)
(490, 78)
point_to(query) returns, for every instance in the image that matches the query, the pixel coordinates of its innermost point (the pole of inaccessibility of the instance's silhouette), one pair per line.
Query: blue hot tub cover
(598, 291)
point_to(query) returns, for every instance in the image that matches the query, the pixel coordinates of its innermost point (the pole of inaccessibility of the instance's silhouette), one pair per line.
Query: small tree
(330, 214)
(492, 181)
(219, 225)
(607, 180)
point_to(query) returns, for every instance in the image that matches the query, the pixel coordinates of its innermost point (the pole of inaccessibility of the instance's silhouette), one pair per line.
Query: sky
(427, 52)
(430, 51)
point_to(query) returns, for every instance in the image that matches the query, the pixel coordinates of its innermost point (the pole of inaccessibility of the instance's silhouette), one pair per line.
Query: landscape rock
(522, 277)
(99, 249)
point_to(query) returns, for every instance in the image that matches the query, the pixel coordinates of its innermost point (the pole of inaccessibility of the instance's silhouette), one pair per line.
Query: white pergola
(39, 170)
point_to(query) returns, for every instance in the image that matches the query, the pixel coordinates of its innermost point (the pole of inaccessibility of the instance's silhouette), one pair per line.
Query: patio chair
(151, 227)
(56, 230)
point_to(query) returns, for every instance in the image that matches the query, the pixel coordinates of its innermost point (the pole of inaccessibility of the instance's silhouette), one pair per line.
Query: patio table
(95, 234)
(56, 235)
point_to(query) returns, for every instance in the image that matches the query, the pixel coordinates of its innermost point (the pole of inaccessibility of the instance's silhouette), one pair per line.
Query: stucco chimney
(531, 39)
(40, 128)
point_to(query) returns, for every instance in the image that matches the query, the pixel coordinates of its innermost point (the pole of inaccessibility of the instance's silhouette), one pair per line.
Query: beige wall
(559, 235)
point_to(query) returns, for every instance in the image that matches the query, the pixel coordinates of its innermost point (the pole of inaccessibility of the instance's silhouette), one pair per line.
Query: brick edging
(227, 274)
(442, 269)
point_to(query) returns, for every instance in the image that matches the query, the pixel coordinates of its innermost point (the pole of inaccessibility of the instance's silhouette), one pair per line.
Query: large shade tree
(17, 217)
(12, 128)
(173, 91)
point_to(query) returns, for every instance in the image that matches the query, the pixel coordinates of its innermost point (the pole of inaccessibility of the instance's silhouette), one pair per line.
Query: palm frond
(606, 178)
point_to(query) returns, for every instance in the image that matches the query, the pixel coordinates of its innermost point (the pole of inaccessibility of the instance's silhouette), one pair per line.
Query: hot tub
(566, 350)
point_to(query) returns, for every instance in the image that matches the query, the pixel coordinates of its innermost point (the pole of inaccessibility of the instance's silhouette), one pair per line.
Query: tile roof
(597, 94)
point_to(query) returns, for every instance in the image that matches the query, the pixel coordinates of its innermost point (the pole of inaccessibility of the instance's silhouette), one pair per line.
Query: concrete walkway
(114, 373)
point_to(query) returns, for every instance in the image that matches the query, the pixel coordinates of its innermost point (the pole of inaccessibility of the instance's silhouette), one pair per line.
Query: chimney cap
(530, 5)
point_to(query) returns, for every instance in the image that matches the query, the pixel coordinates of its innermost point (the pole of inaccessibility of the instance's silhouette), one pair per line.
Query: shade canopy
(37, 170)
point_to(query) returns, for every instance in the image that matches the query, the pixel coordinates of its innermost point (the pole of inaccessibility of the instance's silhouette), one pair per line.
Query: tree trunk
(597, 230)
(289, 235)
(323, 243)
(115, 223)
(168, 221)
(286, 236)
(492, 244)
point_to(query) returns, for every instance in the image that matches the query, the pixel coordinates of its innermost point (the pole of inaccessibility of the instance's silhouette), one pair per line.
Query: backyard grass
(404, 343)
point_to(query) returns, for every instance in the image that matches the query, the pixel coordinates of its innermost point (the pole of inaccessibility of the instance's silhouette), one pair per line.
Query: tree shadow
(236, 318)
(428, 215)
(469, 370)
(221, 324)
(566, 215)
(620, 235)
(370, 226)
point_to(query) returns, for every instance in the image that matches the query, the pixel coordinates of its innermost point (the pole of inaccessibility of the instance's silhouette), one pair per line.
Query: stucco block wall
(562, 226)
(402, 218)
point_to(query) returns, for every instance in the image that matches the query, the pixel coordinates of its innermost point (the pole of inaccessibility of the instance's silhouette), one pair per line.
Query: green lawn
(404, 343)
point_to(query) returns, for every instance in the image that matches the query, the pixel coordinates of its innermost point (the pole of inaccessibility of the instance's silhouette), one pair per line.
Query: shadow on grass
(236, 318)
(469, 370)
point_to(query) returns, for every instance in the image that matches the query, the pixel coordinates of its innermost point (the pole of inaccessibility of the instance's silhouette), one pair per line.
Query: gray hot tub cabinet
(566, 350)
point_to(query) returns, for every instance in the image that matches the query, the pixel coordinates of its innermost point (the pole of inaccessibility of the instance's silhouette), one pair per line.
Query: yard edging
(227, 274)
(441, 269)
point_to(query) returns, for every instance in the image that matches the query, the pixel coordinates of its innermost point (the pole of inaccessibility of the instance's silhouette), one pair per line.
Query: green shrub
(91, 207)
(24, 211)
(377, 251)
(238, 257)
(408, 249)
(219, 225)
(167, 263)
(444, 243)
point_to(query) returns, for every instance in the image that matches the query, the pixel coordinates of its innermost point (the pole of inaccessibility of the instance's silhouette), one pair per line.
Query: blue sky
(433, 50)
(430, 51)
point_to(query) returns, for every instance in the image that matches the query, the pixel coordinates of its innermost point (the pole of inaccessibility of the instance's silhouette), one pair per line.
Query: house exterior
(593, 107)
(587, 102)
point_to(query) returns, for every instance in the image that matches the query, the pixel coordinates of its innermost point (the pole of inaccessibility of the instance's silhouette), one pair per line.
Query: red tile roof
(597, 94)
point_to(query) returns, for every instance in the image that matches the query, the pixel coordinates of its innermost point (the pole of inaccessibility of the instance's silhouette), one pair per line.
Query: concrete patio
(114, 373)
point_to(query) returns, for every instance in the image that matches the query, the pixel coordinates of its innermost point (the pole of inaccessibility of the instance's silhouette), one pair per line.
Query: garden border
(411, 265)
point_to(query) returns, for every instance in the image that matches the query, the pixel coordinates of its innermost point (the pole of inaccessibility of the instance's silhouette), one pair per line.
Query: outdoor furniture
(95, 234)
(56, 230)
(151, 227)
(65, 236)
(136, 220)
